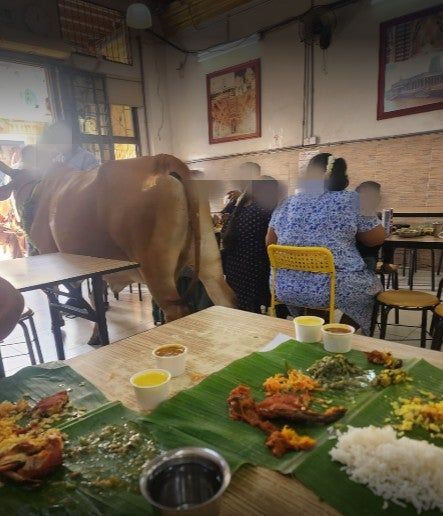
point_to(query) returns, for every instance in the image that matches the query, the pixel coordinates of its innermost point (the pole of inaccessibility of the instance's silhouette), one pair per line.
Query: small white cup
(175, 364)
(337, 342)
(308, 328)
(150, 396)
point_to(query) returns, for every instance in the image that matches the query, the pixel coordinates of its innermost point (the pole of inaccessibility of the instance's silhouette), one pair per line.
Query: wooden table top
(420, 242)
(49, 269)
(215, 337)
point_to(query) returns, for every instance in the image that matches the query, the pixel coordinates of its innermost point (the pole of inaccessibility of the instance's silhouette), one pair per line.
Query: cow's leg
(159, 244)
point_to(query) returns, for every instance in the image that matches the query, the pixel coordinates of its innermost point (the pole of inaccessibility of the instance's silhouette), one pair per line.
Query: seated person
(21, 187)
(23, 180)
(324, 214)
(370, 198)
(11, 308)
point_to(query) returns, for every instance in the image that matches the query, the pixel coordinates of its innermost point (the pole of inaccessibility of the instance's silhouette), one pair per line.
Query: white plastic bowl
(337, 342)
(175, 364)
(149, 397)
(308, 328)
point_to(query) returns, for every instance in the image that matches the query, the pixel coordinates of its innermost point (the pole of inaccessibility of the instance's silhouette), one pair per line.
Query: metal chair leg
(440, 263)
(28, 341)
(2, 367)
(374, 318)
(395, 287)
(437, 338)
(412, 268)
(424, 327)
(432, 270)
(130, 288)
(384, 321)
(140, 294)
(36, 340)
(405, 253)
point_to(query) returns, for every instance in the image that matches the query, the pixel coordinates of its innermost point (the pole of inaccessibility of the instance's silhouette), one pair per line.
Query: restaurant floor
(129, 316)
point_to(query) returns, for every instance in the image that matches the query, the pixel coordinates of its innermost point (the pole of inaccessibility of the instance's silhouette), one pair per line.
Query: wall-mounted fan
(317, 25)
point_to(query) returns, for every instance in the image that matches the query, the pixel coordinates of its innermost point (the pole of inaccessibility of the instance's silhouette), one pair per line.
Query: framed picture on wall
(234, 110)
(411, 64)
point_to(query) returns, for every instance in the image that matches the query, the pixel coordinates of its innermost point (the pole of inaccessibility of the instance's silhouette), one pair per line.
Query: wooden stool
(31, 338)
(437, 337)
(406, 300)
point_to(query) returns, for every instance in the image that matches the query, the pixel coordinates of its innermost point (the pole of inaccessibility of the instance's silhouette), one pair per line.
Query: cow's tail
(193, 204)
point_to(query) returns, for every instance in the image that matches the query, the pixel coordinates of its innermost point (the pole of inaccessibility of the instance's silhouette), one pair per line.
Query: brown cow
(147, 210)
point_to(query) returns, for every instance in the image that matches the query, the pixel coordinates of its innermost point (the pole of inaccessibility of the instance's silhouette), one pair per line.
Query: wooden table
(215, 337)
(431, 243)
(48, 271)
(419, 212)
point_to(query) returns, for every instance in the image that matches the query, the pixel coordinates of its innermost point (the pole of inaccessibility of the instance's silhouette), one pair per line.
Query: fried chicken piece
(283, 402)
(384, 358)
(50, 405)
(300, 414)
(33, 459)
(286, 439)
(242, 408)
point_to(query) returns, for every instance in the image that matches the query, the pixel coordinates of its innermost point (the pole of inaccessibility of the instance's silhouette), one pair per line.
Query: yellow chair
(308, 259)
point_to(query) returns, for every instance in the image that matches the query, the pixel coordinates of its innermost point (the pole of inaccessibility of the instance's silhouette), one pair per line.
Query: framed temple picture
(234, 109)
(411, 64)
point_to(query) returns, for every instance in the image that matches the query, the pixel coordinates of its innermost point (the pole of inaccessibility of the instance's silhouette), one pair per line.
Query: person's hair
(338, 179)
(369, 184)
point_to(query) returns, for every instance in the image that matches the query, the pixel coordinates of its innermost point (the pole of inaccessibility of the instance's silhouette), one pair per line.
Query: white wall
(345, 104)
(346, 95)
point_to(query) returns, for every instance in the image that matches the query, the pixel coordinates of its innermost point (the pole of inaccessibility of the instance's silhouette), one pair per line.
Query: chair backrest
(318, 260)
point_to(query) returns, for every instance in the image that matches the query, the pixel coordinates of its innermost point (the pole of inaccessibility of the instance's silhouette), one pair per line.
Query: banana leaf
(199, 416)
(333, 485)
(36, 382)
(60, 494)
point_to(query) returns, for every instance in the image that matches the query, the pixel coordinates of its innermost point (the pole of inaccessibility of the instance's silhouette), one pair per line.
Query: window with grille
(108, 131)
(124, 132)
(95, 30)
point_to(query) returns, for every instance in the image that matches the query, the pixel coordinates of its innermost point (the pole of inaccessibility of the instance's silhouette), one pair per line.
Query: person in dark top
(370, 198)
(246, 263)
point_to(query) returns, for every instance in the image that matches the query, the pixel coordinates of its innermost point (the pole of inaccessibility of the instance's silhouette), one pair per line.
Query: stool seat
(409, 299)
(27, 312)
(439, 310)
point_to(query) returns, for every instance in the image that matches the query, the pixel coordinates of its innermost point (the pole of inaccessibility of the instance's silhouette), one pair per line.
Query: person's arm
(6, 191)
(373, 237)
(11, 307)
(271, 237)
(7, 170)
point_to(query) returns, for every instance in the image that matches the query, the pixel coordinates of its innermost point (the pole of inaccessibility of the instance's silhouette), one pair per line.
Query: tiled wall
(409, 168)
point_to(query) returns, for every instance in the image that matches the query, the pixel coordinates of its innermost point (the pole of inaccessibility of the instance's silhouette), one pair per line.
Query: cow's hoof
(94, 341)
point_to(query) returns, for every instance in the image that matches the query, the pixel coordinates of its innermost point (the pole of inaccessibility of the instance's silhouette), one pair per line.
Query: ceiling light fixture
(138, 16)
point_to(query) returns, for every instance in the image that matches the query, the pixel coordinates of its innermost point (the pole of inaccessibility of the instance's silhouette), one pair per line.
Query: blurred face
(265, 193)
(370, 199)
(313, 179)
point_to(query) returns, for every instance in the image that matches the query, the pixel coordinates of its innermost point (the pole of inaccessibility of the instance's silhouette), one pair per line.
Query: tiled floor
(126, 317)
(129, 316)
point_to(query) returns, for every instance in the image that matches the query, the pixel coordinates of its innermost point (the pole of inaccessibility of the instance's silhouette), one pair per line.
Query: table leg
(99, 306)
(57, 332)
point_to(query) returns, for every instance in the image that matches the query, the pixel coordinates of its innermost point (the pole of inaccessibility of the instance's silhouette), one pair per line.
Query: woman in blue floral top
(324, 214)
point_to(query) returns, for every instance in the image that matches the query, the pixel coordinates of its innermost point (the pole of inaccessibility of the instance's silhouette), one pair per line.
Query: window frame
(135, 140)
